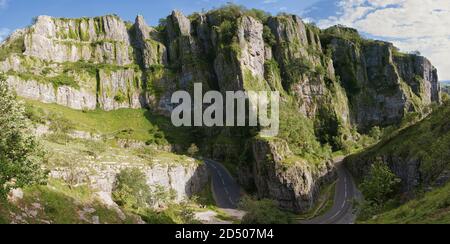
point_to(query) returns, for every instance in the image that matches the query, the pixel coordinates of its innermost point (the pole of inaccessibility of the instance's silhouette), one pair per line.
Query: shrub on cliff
(378, 189)
(380, 184)
(20, 154)
(131, 189)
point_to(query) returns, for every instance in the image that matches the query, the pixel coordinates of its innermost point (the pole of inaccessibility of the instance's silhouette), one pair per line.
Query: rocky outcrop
(293, 182)
(381, 83)
(47, 93)
(418, 155)
(151, 51)
(100, 40)
(105, 63)
(420, 75)
(119, 89)
(184, 179)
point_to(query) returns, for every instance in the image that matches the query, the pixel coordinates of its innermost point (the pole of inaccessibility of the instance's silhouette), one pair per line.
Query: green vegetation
(13, 46)
(432, 208)
(63, 79)
(233, 11)
(269, 37)
(378, 188)
(345, 33)
(173, 214)
(299, 132)
(273, 76)
(133, 193)
(60, 204)
(134, 124)
(426, 141)
(131, 189)
(120, 97)
(20, 154)
(324, 203)
(264, 212)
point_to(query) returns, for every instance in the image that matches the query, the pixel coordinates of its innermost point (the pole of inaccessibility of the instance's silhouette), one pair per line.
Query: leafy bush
(59, 124)
(120, 97)
(14, 46)
(376, 133)
(35, 115)
(173, 214)
(264, 212)
(63, 80)
(20, 154)
(131, 190)
(158, 137)
(380, 184)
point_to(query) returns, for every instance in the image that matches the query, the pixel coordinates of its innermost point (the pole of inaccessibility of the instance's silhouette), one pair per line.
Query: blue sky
(410, 24)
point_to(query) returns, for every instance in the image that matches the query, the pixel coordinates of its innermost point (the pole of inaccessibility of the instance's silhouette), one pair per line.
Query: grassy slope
(433, 208)
(428, 141)
(58, 203)
(136, 124)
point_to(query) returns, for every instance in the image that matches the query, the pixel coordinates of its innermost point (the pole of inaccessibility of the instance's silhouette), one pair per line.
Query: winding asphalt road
(346, 192)
(226, 191)
(227, 194)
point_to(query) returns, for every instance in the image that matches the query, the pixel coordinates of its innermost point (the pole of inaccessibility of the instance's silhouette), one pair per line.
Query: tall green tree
(380, 184)
(20, 154)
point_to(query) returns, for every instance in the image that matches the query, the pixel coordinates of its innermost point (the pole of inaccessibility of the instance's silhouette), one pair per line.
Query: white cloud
(422, 25)
(270, 1)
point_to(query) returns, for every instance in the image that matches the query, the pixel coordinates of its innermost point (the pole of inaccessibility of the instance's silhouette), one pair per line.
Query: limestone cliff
(418, 155)
(330, 81)
(382, 84)
(292, 181)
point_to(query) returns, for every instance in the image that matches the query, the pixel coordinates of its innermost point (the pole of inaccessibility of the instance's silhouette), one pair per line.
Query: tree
(20, 154)
(131, 190)
(380, 184)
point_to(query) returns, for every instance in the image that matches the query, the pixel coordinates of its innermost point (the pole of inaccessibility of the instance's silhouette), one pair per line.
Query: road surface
(346, 193)
(227, 194)
(226, 191)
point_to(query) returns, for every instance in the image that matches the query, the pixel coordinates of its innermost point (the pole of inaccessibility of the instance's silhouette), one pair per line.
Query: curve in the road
(226, 191)
(227, 194)
(342, 210)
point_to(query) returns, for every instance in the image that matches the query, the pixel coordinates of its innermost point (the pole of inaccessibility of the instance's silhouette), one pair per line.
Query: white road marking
(223, 182)
(343, 204)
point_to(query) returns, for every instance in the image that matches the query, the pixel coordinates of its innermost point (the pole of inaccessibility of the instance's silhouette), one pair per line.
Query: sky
(412, 25)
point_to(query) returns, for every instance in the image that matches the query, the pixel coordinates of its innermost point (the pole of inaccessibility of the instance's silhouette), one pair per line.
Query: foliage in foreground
(432, 208)
(20, 153)
(378, 189)
(264, 212)
(59, 203)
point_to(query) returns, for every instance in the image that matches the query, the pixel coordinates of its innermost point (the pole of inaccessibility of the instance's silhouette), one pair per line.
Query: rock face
(100, 40)
(293, 182)
(185, 179)
(85, 63)
(105, 63)
(382, 84)
(418, 155)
